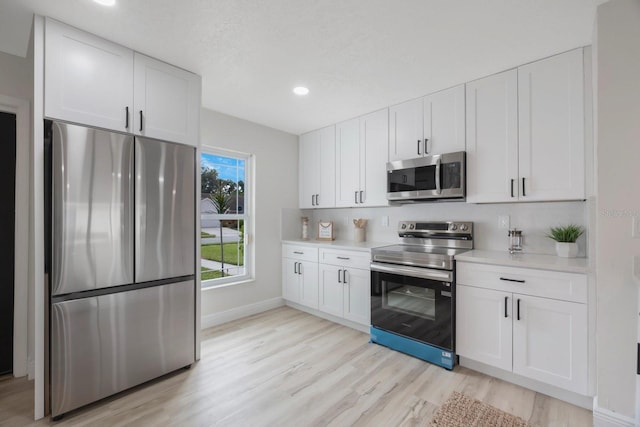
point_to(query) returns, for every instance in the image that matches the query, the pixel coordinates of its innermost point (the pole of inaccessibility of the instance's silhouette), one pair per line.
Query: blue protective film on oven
(423, 351)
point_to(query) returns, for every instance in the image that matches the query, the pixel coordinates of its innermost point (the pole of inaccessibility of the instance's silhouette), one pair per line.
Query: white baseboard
(605, 418)
(239, 312)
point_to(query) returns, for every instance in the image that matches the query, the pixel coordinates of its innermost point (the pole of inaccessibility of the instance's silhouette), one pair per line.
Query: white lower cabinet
(345, 292)
(300, 275)
(499, 323)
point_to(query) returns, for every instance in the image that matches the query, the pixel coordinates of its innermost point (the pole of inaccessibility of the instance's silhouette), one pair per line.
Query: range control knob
(453, 227)
(464, 227)
(412, 226)
(403, 226)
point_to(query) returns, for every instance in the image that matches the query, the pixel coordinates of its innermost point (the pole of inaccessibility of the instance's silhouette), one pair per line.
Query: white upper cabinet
(167, 101)
(317, 169)
(444, 124)
(551, 128)
(347, 162)
(88, 80)
(492, 138)
(405, 130)
(426, 126)
(94, 82)
(525, 133)
(361, 159)
(374, 146)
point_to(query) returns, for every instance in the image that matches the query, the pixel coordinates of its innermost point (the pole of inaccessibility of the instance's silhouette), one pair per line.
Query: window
(224, 217)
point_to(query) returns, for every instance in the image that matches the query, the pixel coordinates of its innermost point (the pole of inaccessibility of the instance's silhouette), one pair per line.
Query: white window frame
(247, 216)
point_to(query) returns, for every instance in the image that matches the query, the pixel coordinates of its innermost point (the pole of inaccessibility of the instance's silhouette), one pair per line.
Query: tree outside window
(223, 217)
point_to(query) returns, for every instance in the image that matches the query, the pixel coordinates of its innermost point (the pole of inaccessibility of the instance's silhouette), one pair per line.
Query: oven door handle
(417, 272)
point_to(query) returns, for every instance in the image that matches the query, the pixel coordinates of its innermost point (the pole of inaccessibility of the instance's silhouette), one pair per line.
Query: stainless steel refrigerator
(120, 261)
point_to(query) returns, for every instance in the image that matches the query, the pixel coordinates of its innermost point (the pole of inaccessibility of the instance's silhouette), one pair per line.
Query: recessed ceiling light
(106, 2)
(300, 90)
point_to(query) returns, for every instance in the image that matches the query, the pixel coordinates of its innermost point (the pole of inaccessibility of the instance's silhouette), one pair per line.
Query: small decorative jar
(305, 228)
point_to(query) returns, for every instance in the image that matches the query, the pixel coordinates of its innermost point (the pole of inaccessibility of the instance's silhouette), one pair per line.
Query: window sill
(228, 284)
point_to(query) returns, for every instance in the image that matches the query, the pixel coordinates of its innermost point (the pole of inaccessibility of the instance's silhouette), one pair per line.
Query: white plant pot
(566, 249)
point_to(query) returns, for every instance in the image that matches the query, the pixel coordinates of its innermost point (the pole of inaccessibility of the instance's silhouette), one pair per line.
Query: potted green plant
(565, 238)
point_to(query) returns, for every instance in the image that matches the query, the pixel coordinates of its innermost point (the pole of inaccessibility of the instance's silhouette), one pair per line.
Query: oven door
(415, 302)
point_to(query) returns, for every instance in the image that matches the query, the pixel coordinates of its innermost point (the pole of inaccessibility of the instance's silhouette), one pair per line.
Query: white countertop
(339, 244)
(524, 260)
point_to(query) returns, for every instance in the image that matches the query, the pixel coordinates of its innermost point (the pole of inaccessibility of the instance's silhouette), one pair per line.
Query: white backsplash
(534, 219)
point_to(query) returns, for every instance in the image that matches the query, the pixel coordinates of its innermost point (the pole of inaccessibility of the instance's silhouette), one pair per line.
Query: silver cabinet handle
(126, 122)
(524, 193)
(298, 252)
(344, 276)
(317, 200)
(438, 184)
(426, 151)
(339, 281)
(418, 147)
(299, 268)
(512, 187)
(344, 258)
(355, 196)
(313, 200)
(140, 120)
(506, 300)
(295, 268)
(361, 195)
(518, 317)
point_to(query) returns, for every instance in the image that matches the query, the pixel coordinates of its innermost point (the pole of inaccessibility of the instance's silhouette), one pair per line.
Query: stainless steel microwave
(427, 178)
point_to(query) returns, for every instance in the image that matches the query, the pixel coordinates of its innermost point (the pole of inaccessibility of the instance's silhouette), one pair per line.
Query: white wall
(276, 187)
(533, 218)
(16, 76)
(617, 62)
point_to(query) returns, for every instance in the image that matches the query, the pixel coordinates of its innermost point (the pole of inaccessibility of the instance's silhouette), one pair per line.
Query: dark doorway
(7, 237)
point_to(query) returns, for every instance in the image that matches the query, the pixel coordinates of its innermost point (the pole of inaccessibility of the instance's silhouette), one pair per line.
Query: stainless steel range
(413, 289)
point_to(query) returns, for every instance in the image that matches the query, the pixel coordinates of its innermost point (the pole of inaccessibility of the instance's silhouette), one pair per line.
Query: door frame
(20, 108)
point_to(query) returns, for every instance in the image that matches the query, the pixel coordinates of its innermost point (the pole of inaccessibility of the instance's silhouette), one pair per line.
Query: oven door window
(411, 300)
(420, 309)
(423, 178)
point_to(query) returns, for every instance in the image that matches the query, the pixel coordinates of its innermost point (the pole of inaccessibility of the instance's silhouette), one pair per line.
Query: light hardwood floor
(288, 368)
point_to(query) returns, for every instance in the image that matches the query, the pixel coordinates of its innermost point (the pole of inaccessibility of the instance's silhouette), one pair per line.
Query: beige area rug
(462, 411)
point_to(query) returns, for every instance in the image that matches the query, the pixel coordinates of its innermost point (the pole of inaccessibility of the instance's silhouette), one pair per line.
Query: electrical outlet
(503, 222)
(385, 220)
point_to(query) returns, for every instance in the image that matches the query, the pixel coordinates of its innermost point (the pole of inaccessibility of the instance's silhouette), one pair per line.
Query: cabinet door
(484, 326)
(308, 283)
(309, 169)
(331, 289)
(444, 124)
(348, 163)
(550, 342)
(290, 280)
(167, 101)
(88, 80)
(551, 128)
(357, 296)
(326, 197)
(405, 130)
(374, 152)
(492, 138)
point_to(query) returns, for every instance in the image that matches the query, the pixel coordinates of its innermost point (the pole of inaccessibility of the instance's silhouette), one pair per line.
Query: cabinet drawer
(303, 253)
(542, 283)
(344, 258)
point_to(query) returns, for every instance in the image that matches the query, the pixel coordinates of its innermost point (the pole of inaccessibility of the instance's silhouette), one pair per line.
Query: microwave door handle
(438, 165)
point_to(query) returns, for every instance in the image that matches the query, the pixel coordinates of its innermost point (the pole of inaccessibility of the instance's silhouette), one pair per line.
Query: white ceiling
(355, 56)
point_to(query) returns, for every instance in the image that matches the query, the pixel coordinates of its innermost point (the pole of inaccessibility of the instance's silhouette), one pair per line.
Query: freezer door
(92, 209)
(165, 210)
(106, 344)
